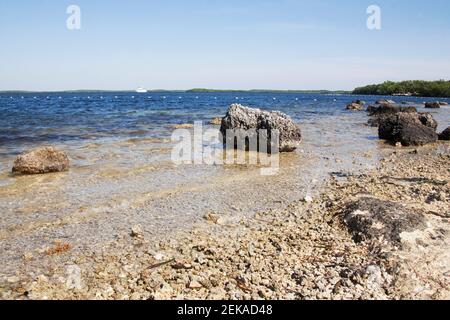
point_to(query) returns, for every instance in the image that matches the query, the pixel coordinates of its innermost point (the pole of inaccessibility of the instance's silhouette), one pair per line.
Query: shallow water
(121, 172)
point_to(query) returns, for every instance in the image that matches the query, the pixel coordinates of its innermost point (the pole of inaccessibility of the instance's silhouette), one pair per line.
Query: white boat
(141, 90)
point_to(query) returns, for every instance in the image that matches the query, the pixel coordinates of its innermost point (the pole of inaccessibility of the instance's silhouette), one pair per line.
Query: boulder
(442, 103)
(41, 160)
(410, 129)
(445, 135)
(377, 114)
(254, 123)
(371, 219)
(390, 109)
(354, 106)
(432, 105)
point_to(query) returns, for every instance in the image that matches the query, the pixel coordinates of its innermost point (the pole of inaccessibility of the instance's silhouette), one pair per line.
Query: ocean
(122, 174)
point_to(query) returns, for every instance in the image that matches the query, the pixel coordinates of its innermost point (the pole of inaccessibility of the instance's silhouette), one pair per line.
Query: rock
(445, 135)
(371, 108)
(28, 256)
(354, 106)
(442, 103)
(377, 114)
(216, 122)
(390, 109)
(211, 217)
(247, 122)
(194, 285)
(136, 231)
(374, 277)
(41, 160)
(432, 105)
(411, 129)
(375, 219)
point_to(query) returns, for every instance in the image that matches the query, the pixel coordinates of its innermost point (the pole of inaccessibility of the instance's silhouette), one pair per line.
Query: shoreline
(301, 252)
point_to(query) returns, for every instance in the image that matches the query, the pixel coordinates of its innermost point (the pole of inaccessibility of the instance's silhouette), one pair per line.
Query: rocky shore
(326, 247)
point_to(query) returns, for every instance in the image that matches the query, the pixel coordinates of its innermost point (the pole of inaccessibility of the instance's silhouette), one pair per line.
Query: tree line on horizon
(420, 88)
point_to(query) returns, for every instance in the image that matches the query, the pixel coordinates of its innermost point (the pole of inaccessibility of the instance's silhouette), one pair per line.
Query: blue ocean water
(32, 119)
(121, 172)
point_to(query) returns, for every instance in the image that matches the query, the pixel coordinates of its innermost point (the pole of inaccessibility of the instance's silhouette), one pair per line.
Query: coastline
(302, 251)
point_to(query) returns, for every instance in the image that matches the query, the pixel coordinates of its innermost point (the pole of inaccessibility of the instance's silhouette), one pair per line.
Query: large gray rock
(445, 135)
(244, 121)
(375, 219)
(410, 129)
(41, 160)
(390, 109)
(377, 114)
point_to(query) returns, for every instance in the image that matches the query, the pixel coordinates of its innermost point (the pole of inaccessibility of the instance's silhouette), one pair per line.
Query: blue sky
(233, 44)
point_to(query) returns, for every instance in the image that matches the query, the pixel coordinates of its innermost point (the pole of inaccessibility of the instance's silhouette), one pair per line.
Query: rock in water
(411, 129)
(354, 106)
(389, 109)
(377, 114)
(42, 160)
(136, 231)
(375, 219)
(442, 103)
(445, 135)
(432, 105)
(243, 121)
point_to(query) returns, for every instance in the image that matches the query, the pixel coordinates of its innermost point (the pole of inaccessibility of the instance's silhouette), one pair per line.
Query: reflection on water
(121, 172)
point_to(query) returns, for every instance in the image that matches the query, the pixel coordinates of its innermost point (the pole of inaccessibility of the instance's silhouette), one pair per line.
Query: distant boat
(141, 90)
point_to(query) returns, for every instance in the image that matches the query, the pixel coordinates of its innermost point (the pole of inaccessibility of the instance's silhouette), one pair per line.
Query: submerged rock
(354, 106)
(41, 160)
(136, 231)
(375, 219)
(432, 105)
(445, 135)
(410, 129)
(244, 122)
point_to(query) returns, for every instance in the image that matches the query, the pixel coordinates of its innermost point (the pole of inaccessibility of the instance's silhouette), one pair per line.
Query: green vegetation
(420, 88)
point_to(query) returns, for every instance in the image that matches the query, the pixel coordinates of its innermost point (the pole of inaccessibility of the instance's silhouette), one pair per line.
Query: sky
(232, 44)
